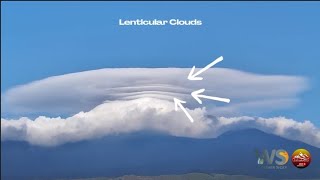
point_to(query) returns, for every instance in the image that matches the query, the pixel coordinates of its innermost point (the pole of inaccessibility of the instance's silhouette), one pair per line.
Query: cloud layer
(126, 116)
(114, 101)
(72, 93)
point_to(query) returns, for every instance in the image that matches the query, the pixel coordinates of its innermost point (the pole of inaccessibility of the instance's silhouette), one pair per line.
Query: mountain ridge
(148, 153)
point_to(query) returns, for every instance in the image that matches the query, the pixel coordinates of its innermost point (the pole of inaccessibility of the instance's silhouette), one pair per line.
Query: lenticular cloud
(92, 104)
(71, 93)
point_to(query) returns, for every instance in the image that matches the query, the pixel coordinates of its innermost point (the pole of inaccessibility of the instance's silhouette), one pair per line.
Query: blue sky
(42, 39)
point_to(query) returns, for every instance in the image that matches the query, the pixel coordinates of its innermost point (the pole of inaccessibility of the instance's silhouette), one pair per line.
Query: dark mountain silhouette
(153, 154)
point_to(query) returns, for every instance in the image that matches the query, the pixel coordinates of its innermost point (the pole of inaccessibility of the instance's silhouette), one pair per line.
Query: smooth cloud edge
(95, 86)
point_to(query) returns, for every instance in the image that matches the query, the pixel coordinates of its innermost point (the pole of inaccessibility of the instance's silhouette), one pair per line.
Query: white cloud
(82, 91)
(113, 101)
(126, 116)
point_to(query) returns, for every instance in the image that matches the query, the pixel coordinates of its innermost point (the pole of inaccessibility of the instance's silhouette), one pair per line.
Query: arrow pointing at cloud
(194, 76)
(197, 95)
(178, 103)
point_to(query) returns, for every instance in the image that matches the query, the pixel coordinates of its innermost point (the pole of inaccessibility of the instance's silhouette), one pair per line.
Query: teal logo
(274, 157)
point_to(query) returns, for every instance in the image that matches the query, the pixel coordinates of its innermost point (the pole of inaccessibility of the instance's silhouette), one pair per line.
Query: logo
(276, 159)
(301, 158)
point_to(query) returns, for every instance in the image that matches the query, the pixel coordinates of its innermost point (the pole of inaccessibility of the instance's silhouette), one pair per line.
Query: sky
(43, 39)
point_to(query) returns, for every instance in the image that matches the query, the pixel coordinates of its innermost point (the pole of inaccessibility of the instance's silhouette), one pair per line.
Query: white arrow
(193, 77)
(178, 102)
(196, 95)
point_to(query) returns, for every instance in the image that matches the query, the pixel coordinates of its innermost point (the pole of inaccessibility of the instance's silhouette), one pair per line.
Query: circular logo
(301, 158)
